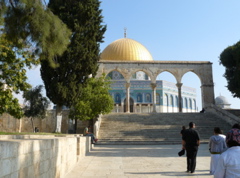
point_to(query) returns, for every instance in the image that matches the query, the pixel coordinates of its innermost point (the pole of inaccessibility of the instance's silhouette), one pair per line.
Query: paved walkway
(139, 161)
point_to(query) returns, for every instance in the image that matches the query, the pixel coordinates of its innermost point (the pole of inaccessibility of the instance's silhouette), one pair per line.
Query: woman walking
(217, 145)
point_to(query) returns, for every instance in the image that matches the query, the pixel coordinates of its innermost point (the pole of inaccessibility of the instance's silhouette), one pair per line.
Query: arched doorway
(131, 105)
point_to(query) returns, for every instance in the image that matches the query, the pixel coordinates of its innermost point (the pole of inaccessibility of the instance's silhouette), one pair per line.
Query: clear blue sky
(186, 30)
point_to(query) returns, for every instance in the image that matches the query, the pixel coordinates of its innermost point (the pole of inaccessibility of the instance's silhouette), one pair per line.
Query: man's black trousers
(191, 158)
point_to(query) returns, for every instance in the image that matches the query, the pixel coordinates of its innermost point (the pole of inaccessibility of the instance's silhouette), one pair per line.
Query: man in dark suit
(190, 142)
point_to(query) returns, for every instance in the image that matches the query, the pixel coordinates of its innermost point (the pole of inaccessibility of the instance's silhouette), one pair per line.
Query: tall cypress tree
(63, 84)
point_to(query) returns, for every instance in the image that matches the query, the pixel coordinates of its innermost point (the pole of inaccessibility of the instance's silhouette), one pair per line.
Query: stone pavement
(139, 161)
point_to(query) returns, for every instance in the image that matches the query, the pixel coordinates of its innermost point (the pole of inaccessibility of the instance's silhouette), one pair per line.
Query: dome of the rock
(126, 49)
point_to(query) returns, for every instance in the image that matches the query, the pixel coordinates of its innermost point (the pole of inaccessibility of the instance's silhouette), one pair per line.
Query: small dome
(221, 100)
(126, 49)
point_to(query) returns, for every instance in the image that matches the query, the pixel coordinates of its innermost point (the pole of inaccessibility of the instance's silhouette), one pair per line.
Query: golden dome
(126, 49)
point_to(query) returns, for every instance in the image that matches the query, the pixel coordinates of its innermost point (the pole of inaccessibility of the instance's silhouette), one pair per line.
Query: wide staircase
(155, 128)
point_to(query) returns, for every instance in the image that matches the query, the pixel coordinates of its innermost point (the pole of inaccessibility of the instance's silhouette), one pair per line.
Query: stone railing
(41, 156)
(235, 112)
(225, 115)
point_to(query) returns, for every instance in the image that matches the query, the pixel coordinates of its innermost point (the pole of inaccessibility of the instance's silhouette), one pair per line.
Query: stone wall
(41, 156)
(48, 124)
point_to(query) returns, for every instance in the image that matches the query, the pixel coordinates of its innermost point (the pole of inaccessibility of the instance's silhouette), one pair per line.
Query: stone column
(207, 95)
(179, 85)
(154, 86)
(127, 85)
(117, 107)
(122, 106)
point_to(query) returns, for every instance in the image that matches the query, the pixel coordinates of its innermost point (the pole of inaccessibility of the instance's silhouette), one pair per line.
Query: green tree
(230, 59)
(13, 64)
(94, 100)
(64, 84)
(35, 104)
(29, 23)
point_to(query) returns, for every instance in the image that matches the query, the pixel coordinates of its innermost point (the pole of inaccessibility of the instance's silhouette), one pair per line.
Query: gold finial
(125, 32)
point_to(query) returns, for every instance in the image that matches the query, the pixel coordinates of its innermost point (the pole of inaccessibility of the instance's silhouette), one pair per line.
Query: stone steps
(140, 142)
(157, 128)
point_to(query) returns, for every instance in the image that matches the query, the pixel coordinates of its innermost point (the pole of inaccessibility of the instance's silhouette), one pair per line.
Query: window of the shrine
(139, 97)
(148, 97)
(117, 98)
(158, 98)
(171, 100)
(194, 104)
(186, 103)
(176, 101)
(190, 103)
(166, 99)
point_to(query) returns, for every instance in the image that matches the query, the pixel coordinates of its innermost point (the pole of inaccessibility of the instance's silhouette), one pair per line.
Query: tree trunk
(20, 126)
(58, 118)
(32, 125)
(91, 122)
(75, 126)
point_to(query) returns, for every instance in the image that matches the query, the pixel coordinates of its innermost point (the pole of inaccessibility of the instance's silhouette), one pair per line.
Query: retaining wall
(25, 156)
(10, 124)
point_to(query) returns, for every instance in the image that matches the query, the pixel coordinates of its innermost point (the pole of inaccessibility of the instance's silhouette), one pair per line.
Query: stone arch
(111, 74)
(167, 72)
(140, 84)
(147, 72)
(191, 79)
(114, 70)
(140, 72)
(191, 71)
(166, 81)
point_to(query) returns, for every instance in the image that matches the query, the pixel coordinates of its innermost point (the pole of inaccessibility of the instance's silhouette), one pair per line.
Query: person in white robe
(217, 145)
(229, 161)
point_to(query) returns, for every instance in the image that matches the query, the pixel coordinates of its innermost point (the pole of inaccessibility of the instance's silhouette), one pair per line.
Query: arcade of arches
(129, 60)
(178, 68)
